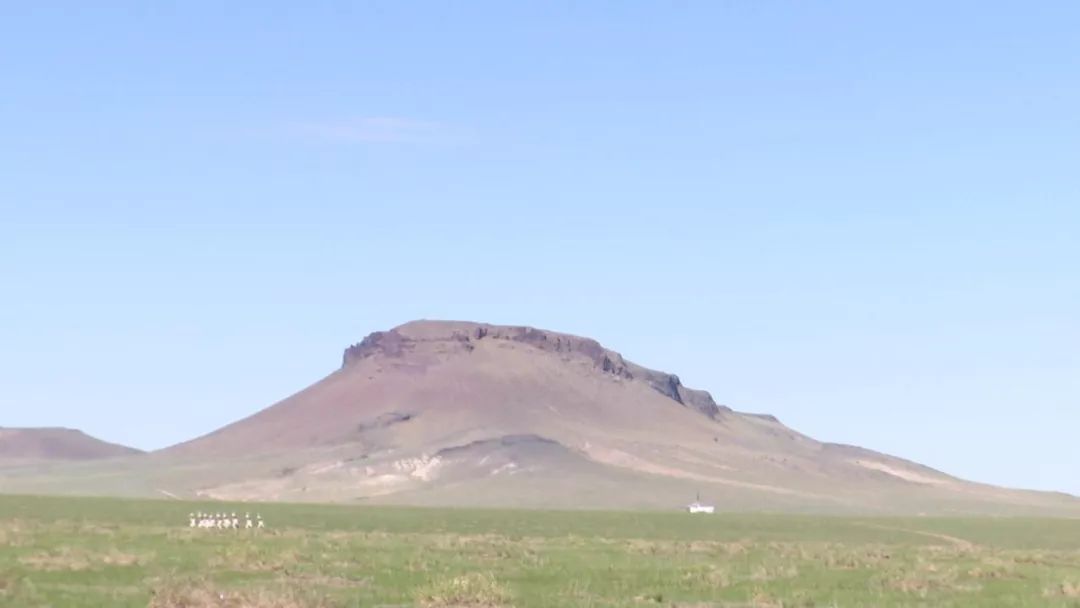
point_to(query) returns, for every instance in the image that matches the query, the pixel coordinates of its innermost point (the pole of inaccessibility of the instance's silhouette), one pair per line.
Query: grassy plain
(95, 552)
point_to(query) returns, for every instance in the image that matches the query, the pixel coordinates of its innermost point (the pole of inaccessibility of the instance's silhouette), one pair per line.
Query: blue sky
(859, 217)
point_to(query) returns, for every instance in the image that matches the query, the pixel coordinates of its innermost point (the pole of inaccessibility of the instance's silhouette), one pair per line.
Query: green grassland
(108, 552)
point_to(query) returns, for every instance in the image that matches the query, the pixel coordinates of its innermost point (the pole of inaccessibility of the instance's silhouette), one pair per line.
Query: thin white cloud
(380, 130)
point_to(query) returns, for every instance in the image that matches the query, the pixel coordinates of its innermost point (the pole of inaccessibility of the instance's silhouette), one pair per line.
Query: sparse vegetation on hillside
(106, 552)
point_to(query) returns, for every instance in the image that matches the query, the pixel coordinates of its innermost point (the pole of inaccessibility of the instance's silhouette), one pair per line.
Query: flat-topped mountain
(436, 412)
(46, 444)
(506, 379)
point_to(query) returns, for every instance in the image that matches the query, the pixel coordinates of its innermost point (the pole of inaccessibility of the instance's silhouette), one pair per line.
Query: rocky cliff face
(401, 340)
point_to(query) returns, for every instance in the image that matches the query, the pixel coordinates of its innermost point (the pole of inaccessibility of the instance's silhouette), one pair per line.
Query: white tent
(699, 507)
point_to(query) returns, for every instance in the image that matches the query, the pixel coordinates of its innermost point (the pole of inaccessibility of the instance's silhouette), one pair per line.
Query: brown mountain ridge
(442, 412)
(473, 414)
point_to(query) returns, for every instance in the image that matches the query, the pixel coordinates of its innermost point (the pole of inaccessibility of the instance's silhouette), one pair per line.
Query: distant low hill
(48, 444)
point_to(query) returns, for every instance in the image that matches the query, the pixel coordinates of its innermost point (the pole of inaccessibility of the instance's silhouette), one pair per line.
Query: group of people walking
(225, 521)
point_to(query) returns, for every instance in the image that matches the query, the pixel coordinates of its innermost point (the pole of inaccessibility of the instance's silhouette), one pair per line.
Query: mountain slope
(466, 413)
